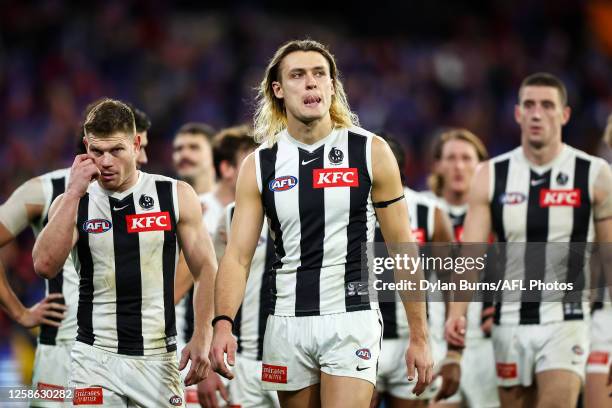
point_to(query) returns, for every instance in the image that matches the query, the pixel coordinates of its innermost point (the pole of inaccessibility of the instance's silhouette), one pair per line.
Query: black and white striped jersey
(126, 257)
(66, 282)
(550, 203)
(318, 204)
(421, 210)
(250, 321)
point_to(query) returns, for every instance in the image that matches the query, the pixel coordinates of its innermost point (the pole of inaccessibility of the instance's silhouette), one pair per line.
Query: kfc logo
(159, 221)
(560, 198)
(322, 178)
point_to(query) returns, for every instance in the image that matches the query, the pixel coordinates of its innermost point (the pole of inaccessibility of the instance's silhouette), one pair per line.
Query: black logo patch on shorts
(176, 401)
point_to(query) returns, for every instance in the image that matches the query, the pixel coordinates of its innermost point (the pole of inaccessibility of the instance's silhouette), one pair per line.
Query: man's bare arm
(57, 239)
(59, 236)
(183, 281)
(443, 228)
(200, 258)
(395, 227)
(602, 214)
(24, 206)
(236, 262)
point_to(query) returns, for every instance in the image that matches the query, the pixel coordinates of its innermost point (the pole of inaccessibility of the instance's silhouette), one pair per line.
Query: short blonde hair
(271, 116)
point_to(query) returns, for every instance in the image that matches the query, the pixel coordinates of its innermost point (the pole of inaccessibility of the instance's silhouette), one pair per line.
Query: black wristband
(223, 317)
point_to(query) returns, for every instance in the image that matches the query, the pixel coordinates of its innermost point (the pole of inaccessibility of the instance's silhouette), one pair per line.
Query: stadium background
(411, 69)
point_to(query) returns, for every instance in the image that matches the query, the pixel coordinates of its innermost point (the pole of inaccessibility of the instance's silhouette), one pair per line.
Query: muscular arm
(23, 206)
(246, 228)
(200, 258)
(183, 280)
(235, 264)
(55, 241)
(443, 228)
(602, 214)
(395, 225)
(59, 236)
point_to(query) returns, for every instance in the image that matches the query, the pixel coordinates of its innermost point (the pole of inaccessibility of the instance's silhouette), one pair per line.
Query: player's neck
(203, 183)
(225, 193)
(129, 182)
(455, 197)
(543, 155)
(311, 132)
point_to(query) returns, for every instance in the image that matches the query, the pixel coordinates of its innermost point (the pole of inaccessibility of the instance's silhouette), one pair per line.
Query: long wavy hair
(271, 115)
(435, 180)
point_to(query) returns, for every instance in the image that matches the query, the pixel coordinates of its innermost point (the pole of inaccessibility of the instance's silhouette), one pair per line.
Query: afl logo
(96, 226)
(364, 354)
(283, 183)
(176, 401)
(335, 156)
(512, 198)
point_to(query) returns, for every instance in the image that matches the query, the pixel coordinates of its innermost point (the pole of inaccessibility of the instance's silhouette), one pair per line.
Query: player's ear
(85, 142)
(567, 112)
(517, 113)
(137, 143)
(277, 88)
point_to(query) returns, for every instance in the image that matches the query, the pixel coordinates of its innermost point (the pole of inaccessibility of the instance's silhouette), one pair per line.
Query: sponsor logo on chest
(282, 183)
(158, 221)
(97, 226)
(560, 198)
(347, 177)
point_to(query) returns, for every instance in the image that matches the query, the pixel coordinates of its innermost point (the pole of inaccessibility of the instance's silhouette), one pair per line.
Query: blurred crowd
(410, 70)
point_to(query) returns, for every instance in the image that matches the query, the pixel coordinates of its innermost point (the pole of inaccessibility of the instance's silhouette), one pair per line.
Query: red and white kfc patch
(323, 178)
(158, 221)
(560, 198)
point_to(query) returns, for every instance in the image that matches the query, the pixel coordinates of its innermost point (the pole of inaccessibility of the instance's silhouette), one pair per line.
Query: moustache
(186, 161)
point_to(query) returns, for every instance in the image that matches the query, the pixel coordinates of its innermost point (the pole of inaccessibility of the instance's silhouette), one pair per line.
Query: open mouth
(312, 100)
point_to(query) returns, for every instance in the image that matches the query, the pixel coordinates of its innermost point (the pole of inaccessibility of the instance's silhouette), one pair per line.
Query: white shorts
(600, 356)
(392, 375)
(113, 380)
(51, 370)
(297, 349)
(246, 388)
(477, 387)
(522, 350)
